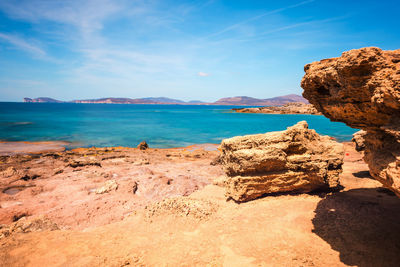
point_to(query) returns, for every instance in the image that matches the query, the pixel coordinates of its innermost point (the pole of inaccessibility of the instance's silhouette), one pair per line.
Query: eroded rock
(359, 140)
(362, 89)
(297, 159)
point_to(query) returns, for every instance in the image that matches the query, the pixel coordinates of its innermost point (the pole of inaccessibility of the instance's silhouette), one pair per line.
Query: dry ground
(359, 225)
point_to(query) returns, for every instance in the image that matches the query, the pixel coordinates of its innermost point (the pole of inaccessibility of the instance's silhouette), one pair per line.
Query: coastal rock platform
(289, 108)
(88, 187)
(349, 227)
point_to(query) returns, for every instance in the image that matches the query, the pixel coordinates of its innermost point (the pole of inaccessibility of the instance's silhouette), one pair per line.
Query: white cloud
(87, 16)
(203, 74)
(23, 44)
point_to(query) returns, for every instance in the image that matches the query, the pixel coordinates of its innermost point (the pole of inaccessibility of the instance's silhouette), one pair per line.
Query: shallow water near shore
(162, 126)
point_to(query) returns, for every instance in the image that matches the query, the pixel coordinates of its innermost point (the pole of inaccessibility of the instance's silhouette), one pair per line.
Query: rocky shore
(152, 207)
(78, 188)
(290, 108)
(288, 198)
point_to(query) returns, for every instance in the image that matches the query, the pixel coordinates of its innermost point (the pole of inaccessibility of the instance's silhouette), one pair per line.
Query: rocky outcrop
(289, 108)
(362, 89)
(359, 140)
(297, 159)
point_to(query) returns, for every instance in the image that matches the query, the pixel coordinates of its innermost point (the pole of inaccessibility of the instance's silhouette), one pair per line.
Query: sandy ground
(356, 226)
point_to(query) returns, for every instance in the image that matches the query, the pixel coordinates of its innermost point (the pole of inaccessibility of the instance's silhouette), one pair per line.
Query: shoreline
(287, 109)
(11, 148)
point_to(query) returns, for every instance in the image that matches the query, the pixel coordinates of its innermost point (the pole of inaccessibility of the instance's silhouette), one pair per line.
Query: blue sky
(188, 50)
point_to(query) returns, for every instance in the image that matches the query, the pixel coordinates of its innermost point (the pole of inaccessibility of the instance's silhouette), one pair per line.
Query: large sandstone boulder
(362, 89)
(297, 159)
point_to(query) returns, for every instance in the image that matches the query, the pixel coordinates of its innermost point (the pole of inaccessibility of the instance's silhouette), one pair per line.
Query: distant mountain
(41, 100)
(196, 102)
(250, 101)
(287, 99)
(239, 100)
(233, 101)
(109, 100)
(162, 100)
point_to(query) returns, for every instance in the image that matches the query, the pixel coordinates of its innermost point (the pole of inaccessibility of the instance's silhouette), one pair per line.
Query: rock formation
(359, 140)
(297, 159)
(362, 89)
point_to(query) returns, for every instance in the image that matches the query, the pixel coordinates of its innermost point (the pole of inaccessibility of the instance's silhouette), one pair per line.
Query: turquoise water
(162, 126)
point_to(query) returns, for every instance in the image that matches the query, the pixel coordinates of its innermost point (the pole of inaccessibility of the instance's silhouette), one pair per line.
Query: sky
(189, 50)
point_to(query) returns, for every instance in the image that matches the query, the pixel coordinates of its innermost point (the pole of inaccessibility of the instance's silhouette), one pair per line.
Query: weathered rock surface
(42, 184)
(289, 108)
(297, 159)
(359, 140)
(27, 225)
(362, 89)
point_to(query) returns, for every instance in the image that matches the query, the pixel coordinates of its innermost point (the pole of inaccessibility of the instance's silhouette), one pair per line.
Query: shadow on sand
(363, 225)
(363, 174)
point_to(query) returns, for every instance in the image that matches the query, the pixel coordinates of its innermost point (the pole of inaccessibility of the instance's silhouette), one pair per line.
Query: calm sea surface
(162, 126)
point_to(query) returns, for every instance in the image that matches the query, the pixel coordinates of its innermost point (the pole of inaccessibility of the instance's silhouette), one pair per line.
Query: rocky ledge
(297, 159)
(289, 108)
(362, 89)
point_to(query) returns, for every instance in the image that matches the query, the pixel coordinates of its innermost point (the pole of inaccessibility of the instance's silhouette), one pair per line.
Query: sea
(161, 126)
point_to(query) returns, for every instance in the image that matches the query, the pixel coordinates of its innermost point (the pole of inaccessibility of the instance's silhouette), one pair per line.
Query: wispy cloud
(203, 74)
(237, 25)
(22, 44)
(87, 15)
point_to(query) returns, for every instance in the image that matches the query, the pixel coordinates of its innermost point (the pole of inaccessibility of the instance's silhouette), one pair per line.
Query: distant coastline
(234, 101)
(289, 108)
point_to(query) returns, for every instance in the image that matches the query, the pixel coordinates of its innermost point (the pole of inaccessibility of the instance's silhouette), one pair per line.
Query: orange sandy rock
(362, 89)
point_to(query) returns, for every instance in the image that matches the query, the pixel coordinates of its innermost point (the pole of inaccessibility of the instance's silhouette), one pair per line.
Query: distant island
(233, 101)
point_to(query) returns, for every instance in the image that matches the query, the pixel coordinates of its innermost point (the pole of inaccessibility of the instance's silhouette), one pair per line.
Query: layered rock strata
(362, 89)
(297, 160)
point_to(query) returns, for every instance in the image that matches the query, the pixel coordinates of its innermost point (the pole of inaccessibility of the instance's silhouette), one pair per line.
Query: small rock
(143, 145)
(134, 187)
(110, 185)
(358, 139)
